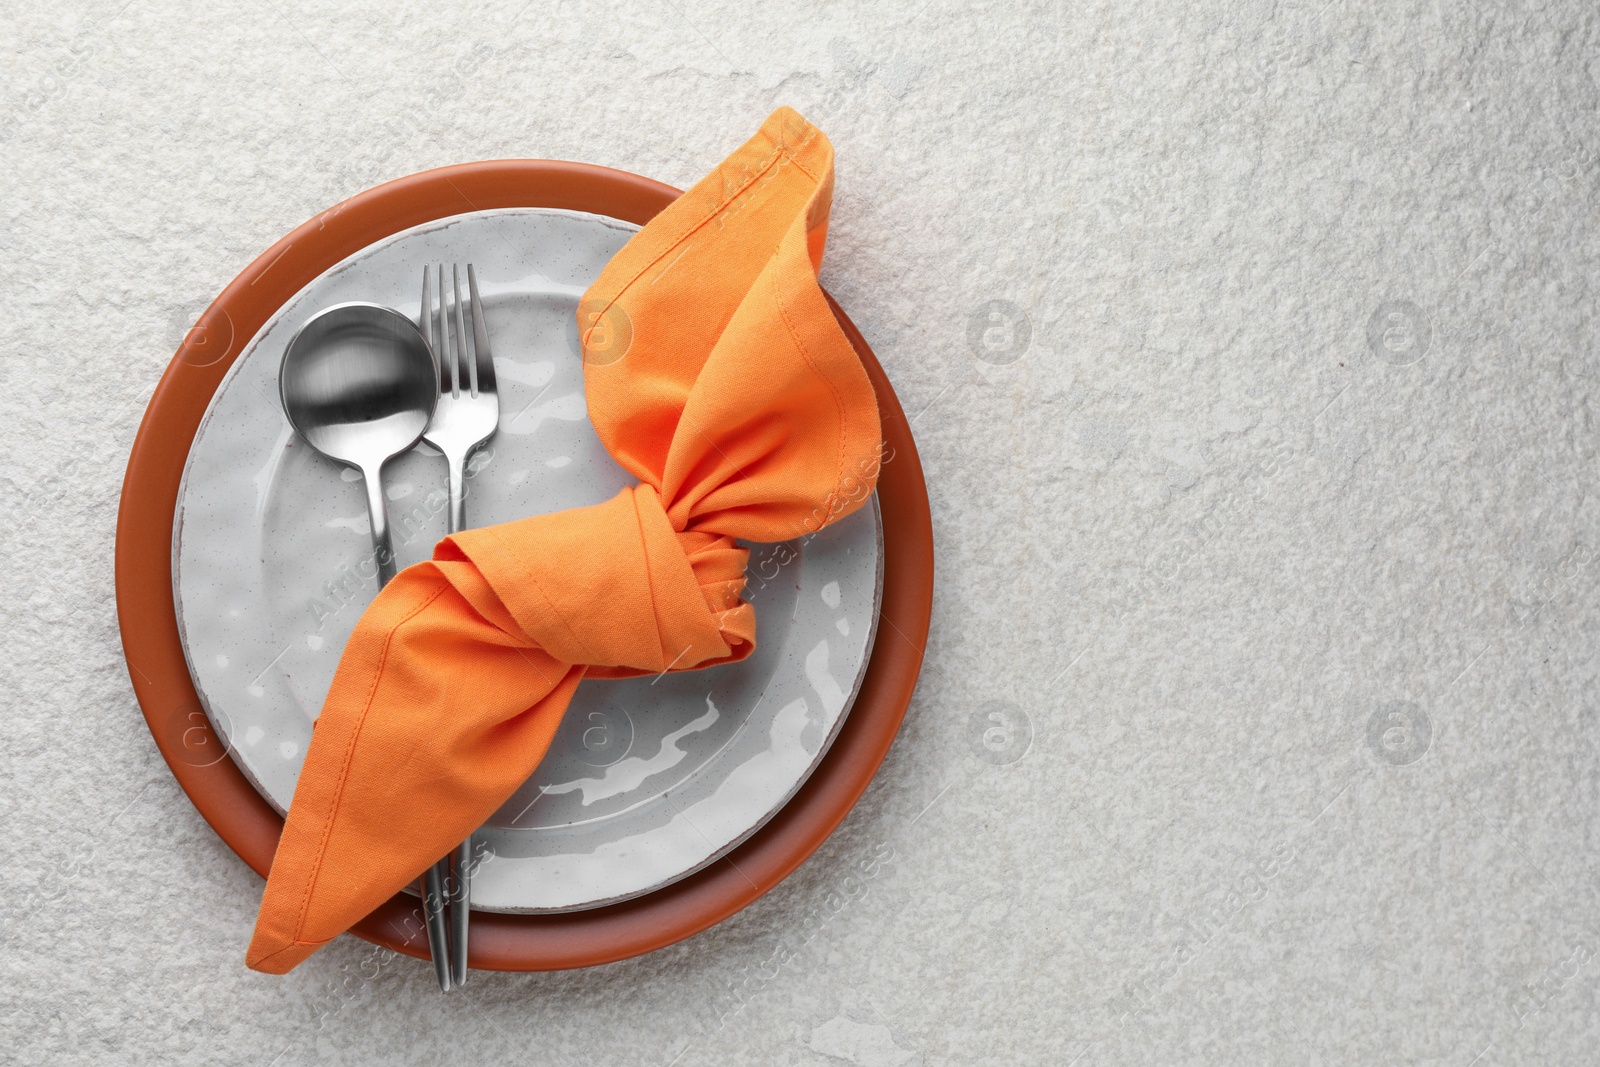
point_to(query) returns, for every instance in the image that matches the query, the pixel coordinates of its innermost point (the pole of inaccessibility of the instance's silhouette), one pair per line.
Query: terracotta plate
(228, 800)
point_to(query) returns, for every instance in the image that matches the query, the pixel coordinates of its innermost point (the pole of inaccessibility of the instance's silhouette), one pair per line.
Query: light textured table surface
(1250, 348)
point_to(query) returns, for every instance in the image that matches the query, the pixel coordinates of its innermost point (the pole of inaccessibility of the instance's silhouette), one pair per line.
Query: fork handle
(457, 867)
(458, 494)
(460, 910)
(433, 902)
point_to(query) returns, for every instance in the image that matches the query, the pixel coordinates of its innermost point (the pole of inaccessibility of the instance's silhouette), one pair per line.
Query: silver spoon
(359, 383)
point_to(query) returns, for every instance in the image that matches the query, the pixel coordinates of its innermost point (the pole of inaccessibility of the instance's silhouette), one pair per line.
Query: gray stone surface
(1272, 541)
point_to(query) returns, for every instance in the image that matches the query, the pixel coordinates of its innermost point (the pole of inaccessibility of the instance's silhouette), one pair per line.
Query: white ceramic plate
(649, 779)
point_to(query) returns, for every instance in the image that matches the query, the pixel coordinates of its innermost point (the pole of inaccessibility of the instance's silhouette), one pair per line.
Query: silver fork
(467, 415)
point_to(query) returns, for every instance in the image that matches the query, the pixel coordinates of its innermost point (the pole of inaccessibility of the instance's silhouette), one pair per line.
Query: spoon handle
(378, 511)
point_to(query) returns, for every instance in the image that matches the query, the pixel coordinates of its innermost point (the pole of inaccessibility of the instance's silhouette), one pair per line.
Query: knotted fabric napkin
(716, 373)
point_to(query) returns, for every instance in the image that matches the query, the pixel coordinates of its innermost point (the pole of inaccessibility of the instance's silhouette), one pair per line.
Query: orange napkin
(714, 372)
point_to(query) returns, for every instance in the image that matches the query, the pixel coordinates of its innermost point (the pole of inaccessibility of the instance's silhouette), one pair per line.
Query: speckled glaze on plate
(648, 780)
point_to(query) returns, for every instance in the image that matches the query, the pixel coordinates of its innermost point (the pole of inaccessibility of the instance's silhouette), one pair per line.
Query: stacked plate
(650, 782)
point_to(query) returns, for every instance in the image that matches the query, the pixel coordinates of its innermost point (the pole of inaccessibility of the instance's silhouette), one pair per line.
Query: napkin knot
(613, 586)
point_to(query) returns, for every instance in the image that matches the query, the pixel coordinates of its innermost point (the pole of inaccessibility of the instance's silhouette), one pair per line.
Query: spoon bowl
(359, 384)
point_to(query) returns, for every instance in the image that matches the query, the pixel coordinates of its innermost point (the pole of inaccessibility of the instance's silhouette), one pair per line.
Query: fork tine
(441, 343)
(448, 380)
(461, 331)
(425, 316)
(426, 321)
(483, 359)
